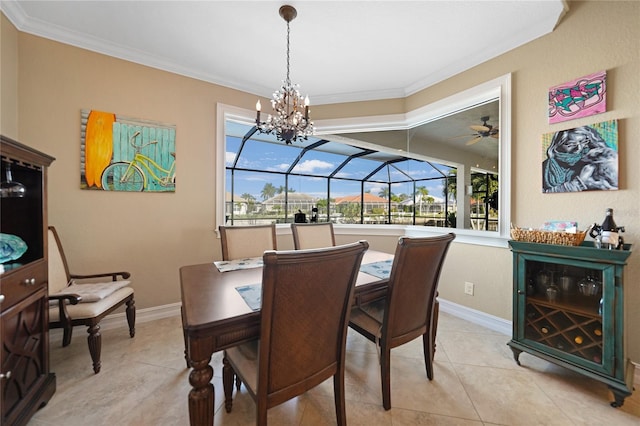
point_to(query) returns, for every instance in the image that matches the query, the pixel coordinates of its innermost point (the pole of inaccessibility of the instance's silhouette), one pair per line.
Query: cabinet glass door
(566, 306)
(21, 218)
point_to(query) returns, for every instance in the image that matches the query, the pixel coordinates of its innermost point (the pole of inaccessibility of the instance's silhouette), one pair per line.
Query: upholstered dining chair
(75, 301)
(306, 297)
(407, 311)
(240, 242)
(312, 235)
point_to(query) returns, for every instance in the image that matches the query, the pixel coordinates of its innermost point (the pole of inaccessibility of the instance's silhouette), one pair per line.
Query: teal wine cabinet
(568, 308)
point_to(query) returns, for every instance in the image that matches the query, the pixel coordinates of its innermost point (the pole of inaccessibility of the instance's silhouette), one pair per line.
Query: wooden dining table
(215, 316)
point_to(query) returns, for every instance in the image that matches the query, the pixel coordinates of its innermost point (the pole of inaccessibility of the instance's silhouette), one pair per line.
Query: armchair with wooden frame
(73, 303)
(306, 297)
(408, 310)
(312, 235)
(241, 242)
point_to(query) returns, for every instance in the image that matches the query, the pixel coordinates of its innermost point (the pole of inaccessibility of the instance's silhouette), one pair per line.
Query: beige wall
(8, 78)
(589, 39)
(152, 235)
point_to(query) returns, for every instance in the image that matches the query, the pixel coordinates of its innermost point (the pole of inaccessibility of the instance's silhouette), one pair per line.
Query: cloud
(229, 157)
(310, 166)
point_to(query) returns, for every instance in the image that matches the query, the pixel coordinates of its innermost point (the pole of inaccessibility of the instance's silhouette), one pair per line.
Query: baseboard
(119, 320)
(491, 322)
(173, 309)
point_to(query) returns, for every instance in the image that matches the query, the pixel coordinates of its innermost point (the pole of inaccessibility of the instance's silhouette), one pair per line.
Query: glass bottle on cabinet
(575, 317)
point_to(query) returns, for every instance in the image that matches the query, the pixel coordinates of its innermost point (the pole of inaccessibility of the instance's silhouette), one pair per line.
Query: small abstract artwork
(126, 154)
(582, 97)
(581, 159)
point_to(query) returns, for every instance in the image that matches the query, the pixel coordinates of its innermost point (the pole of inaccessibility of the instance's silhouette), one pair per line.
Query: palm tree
(398, 198)
(422, 192)
(384, 192)
(451, 188)
(282, 188)
(250, 201)
(268, 191)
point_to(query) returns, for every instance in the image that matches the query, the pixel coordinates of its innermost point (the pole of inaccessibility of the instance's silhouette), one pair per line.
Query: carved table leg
(202, 395)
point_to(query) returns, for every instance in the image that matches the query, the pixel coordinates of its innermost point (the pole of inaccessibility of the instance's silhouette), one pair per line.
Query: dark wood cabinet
(568, 308)
(26, 383)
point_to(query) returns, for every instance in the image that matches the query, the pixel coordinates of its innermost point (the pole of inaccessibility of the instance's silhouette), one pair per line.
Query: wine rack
(561, 327)
(568, 308)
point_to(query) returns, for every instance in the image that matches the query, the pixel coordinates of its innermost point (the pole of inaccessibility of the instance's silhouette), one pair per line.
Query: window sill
(463, 236)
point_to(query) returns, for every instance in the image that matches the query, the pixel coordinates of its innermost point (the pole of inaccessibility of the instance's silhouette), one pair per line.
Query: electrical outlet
(468, 288)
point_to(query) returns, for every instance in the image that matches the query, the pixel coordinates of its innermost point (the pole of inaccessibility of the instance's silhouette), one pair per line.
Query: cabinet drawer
(19, 283)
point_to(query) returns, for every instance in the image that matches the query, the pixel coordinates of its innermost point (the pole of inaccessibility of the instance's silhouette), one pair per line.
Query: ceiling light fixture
(291, 119)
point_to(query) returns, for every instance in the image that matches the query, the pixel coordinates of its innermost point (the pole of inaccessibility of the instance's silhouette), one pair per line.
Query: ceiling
(453, 131)
(341, 51)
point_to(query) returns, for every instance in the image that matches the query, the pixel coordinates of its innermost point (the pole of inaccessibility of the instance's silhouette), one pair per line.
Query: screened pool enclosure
(322, 179)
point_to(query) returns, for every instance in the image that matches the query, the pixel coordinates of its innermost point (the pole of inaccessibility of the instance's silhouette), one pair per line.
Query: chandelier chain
(288, 56)
(291, 119)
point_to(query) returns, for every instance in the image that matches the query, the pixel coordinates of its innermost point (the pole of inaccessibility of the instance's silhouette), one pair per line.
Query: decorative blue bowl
(12, 247)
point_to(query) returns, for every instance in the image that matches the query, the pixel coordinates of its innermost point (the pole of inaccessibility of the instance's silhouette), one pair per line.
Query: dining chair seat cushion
(245, 358)
(369, 317)
(93, 292)
(91, 310)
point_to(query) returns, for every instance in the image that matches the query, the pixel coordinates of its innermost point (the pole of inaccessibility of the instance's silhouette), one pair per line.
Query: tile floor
(476, 382)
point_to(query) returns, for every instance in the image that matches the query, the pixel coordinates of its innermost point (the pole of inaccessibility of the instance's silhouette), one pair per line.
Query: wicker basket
(548, 237)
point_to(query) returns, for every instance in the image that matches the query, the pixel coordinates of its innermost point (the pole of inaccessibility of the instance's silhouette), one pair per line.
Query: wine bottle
(609, 231)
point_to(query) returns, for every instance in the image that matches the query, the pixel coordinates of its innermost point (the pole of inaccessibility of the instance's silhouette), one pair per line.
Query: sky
(279, 157)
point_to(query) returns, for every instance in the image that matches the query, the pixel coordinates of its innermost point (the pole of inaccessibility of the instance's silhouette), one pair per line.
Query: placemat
(381, 269)
(252, 295)
(234, 265)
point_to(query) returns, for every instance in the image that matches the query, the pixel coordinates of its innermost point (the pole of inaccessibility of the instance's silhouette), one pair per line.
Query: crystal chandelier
(291, 119)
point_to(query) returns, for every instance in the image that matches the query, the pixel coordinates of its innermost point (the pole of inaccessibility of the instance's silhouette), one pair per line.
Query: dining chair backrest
(241, 242)
(312, 235)
(408, 309)
(413, 285)
(84, 299)
(58, 274)
(306, 298)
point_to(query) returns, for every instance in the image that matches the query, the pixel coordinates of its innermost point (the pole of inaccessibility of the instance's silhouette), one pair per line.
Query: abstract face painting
(581, 159)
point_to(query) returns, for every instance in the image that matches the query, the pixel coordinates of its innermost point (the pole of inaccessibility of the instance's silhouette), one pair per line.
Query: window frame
(499, 88)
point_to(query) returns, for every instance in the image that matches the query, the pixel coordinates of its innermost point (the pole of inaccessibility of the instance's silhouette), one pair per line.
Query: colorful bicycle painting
(132, 175)
(122, 154)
